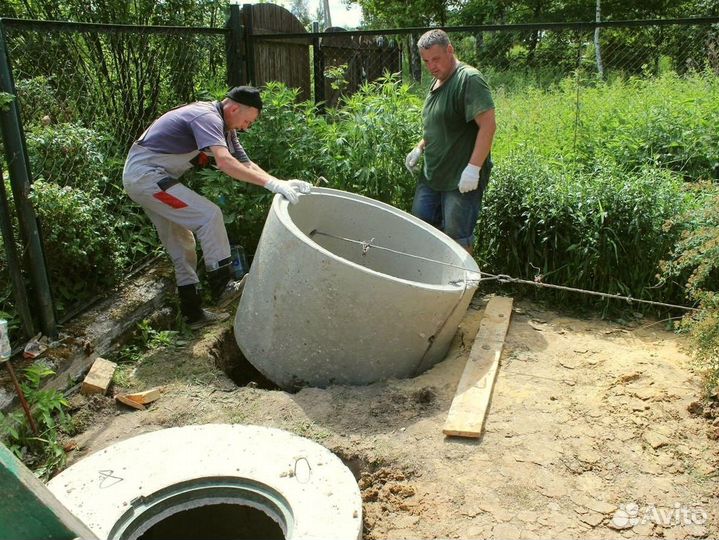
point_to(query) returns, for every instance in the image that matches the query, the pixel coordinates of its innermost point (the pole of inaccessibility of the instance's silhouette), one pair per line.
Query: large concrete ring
(321, 308)
(121, 492)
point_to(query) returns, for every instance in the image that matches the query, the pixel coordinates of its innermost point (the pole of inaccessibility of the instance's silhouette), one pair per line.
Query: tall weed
(668, 121)
(43, 452)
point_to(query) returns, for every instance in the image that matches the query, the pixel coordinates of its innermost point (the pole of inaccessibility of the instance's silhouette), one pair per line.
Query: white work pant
(177, 213)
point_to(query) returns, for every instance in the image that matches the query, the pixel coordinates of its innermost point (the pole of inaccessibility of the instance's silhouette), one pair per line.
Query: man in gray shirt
(154, 165)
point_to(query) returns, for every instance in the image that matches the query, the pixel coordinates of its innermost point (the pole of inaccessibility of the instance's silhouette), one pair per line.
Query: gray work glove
(412, 159)
(469, 179)
(289, 189)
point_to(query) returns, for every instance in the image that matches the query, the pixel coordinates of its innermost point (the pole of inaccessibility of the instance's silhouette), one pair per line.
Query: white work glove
(289, 189)
(469, 179)
(301, 186)
(412, 159)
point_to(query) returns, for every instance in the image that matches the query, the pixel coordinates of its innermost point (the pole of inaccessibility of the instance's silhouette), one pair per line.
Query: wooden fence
(303, 63)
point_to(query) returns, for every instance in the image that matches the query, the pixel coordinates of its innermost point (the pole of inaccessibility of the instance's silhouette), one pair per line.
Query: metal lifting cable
(503, 278)
(500, 278)
(371, 244)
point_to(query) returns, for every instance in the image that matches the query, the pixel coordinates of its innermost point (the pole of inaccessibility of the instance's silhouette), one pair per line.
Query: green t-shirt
(449, 127)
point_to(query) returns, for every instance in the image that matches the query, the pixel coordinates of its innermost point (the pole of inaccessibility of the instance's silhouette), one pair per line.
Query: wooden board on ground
(471, 401)
(138, 400)
(122, 398)
(148, 396)
(99, 377)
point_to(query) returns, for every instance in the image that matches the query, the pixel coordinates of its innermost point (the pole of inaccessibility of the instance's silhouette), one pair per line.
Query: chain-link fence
(85, 92)
(536, 54)
(108, 85)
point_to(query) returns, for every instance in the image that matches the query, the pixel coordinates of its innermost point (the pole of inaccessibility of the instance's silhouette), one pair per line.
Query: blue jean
(452, 212)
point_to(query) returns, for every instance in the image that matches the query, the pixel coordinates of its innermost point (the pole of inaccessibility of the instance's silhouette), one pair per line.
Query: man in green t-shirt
(459, 125)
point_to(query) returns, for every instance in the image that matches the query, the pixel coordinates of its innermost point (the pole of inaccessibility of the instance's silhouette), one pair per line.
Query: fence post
(319, 67)
(13, 264)
(19, 168)
(597, 44)
(236, 69)
(415, 60)
(249, 43)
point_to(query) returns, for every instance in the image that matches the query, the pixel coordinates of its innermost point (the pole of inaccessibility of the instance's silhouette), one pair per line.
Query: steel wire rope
(500, 278)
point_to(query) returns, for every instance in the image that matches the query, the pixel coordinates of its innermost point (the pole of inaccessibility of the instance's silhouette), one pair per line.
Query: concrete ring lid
(123, 490)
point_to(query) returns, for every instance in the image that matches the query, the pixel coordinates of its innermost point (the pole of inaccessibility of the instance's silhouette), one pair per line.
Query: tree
(327, 14)
(119, 71)
(300, 9)
(403, 14)
(597, 43)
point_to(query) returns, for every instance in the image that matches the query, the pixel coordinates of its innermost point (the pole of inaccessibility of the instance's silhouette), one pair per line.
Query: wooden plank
(469, 407)
(122, 398)
(148, 396)
(99, 377)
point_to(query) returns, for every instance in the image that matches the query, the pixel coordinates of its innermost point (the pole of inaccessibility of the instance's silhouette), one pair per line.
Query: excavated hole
(229, 358)
(357, 463)
(217, 522)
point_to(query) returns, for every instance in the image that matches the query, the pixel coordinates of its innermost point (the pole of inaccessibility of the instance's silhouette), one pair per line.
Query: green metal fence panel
(29, 511)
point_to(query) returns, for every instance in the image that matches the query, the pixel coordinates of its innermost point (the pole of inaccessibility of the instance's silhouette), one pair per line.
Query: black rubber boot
(190, 302)
(191, 308)
(217, 280)
(224, 289)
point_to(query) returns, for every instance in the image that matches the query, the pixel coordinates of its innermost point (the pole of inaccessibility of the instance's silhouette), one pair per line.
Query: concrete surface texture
(127, 488)
(318, 309)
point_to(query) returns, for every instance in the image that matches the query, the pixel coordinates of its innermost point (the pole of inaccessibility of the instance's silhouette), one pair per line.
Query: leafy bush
(600, 230)
(288, 139)
(368, 138)
(69, 155)
(83, 247)
(695, 261)
(87, 246)
(40, 103)
(359, 146)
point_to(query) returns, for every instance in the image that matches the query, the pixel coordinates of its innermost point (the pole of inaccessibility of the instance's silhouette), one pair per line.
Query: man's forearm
(482, 146)
(245, 173)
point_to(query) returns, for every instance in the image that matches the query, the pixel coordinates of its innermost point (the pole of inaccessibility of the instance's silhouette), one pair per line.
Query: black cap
(247, 95)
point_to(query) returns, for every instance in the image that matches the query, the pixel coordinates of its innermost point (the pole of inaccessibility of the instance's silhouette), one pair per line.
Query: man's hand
(301, 186)
(412, 159)
(289, 189)
(469, 179)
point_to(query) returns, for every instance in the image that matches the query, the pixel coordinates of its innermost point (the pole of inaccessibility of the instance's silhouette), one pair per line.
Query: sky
(341, 15)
